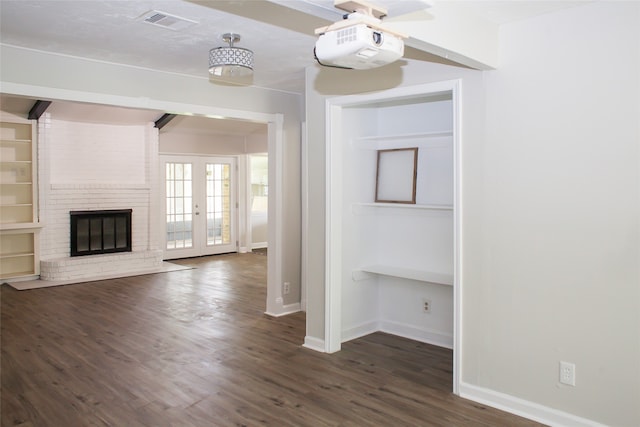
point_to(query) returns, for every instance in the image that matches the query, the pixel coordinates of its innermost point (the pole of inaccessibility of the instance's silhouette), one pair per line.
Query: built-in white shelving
(386, 258)
(426, 142)
(18, 214)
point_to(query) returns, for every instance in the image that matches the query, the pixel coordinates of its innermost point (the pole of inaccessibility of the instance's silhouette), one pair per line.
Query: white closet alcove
(387, 261)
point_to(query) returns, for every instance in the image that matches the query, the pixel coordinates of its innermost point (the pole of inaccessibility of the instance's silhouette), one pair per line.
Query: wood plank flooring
(193, 348)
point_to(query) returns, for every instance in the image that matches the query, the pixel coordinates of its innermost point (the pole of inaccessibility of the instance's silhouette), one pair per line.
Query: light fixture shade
(230, 61)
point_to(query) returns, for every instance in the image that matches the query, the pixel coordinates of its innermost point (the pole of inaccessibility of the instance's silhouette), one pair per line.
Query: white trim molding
(283, 310)
(416, 334)
(399, 329)
(523, 408)
(313, 343)
(276, 208)
(360, 331)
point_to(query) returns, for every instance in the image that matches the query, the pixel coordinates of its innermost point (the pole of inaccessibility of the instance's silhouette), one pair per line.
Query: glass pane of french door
(179, 200)
(218, 203)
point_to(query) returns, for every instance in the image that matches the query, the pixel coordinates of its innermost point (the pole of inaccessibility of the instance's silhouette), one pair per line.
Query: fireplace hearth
(100, 232)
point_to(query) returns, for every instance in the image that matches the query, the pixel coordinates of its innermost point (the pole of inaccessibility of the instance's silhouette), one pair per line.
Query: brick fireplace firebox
(100, 232)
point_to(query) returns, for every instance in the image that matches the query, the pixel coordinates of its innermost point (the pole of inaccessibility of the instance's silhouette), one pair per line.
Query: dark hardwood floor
(193, 348)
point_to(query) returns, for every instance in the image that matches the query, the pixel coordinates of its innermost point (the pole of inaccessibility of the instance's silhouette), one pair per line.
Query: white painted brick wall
(97, 153)
(87, 166)
(97, 266)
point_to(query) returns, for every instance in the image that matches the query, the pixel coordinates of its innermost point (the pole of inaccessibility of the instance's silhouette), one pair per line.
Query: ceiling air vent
(166, 20)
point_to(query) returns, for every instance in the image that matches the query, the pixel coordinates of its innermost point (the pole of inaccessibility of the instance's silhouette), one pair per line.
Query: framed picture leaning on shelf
(396, 175)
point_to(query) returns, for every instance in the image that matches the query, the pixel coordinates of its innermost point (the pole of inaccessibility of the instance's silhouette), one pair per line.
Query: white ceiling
(280, 32)
(111, 31)
(281, 37)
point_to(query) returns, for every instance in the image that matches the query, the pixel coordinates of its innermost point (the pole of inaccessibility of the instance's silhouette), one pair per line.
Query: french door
(200, 208)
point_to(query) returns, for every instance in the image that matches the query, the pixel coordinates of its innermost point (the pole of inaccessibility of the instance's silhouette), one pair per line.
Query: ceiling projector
(359, 41)
(360, 47)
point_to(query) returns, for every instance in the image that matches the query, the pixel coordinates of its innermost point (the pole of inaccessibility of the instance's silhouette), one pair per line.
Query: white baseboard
(408, 331)
(290, 308)
(523, 408)
(285, 309)
(400, 329)
(360, 331)
(313, 343)
(259, 245)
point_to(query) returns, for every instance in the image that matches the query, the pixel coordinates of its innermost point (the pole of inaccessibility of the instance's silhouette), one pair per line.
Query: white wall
(226, 145)
(558, 259)
(93, 152)
(185, 143)
(256, 143)
(550, 212)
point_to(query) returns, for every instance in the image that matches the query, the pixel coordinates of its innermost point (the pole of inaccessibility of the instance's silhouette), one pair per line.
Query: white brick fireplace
(90, 166)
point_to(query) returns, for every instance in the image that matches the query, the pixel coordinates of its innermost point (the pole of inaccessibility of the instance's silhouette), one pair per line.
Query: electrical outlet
(426, 305)
(567, 373)
(286, 288)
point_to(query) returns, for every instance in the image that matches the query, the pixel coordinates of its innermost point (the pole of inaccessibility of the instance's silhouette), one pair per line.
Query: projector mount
(359, 41)
(359, 12)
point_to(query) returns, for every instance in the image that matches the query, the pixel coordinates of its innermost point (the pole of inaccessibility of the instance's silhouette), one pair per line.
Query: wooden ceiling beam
(162, 121)
(38, 109)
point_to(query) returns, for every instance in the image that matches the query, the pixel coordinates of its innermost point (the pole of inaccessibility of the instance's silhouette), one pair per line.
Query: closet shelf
(404, 273)
(434, 134)
(424, 140)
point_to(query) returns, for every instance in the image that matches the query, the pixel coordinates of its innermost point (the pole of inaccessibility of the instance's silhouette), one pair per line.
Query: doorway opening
(200, 209)
(394, 267)
(127, 109)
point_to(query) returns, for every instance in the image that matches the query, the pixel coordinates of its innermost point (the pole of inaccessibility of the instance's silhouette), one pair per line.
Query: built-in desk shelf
(404, 273)
(404, 206)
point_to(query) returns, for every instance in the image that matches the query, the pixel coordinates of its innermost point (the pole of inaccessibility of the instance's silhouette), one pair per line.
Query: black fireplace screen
(100, 232)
